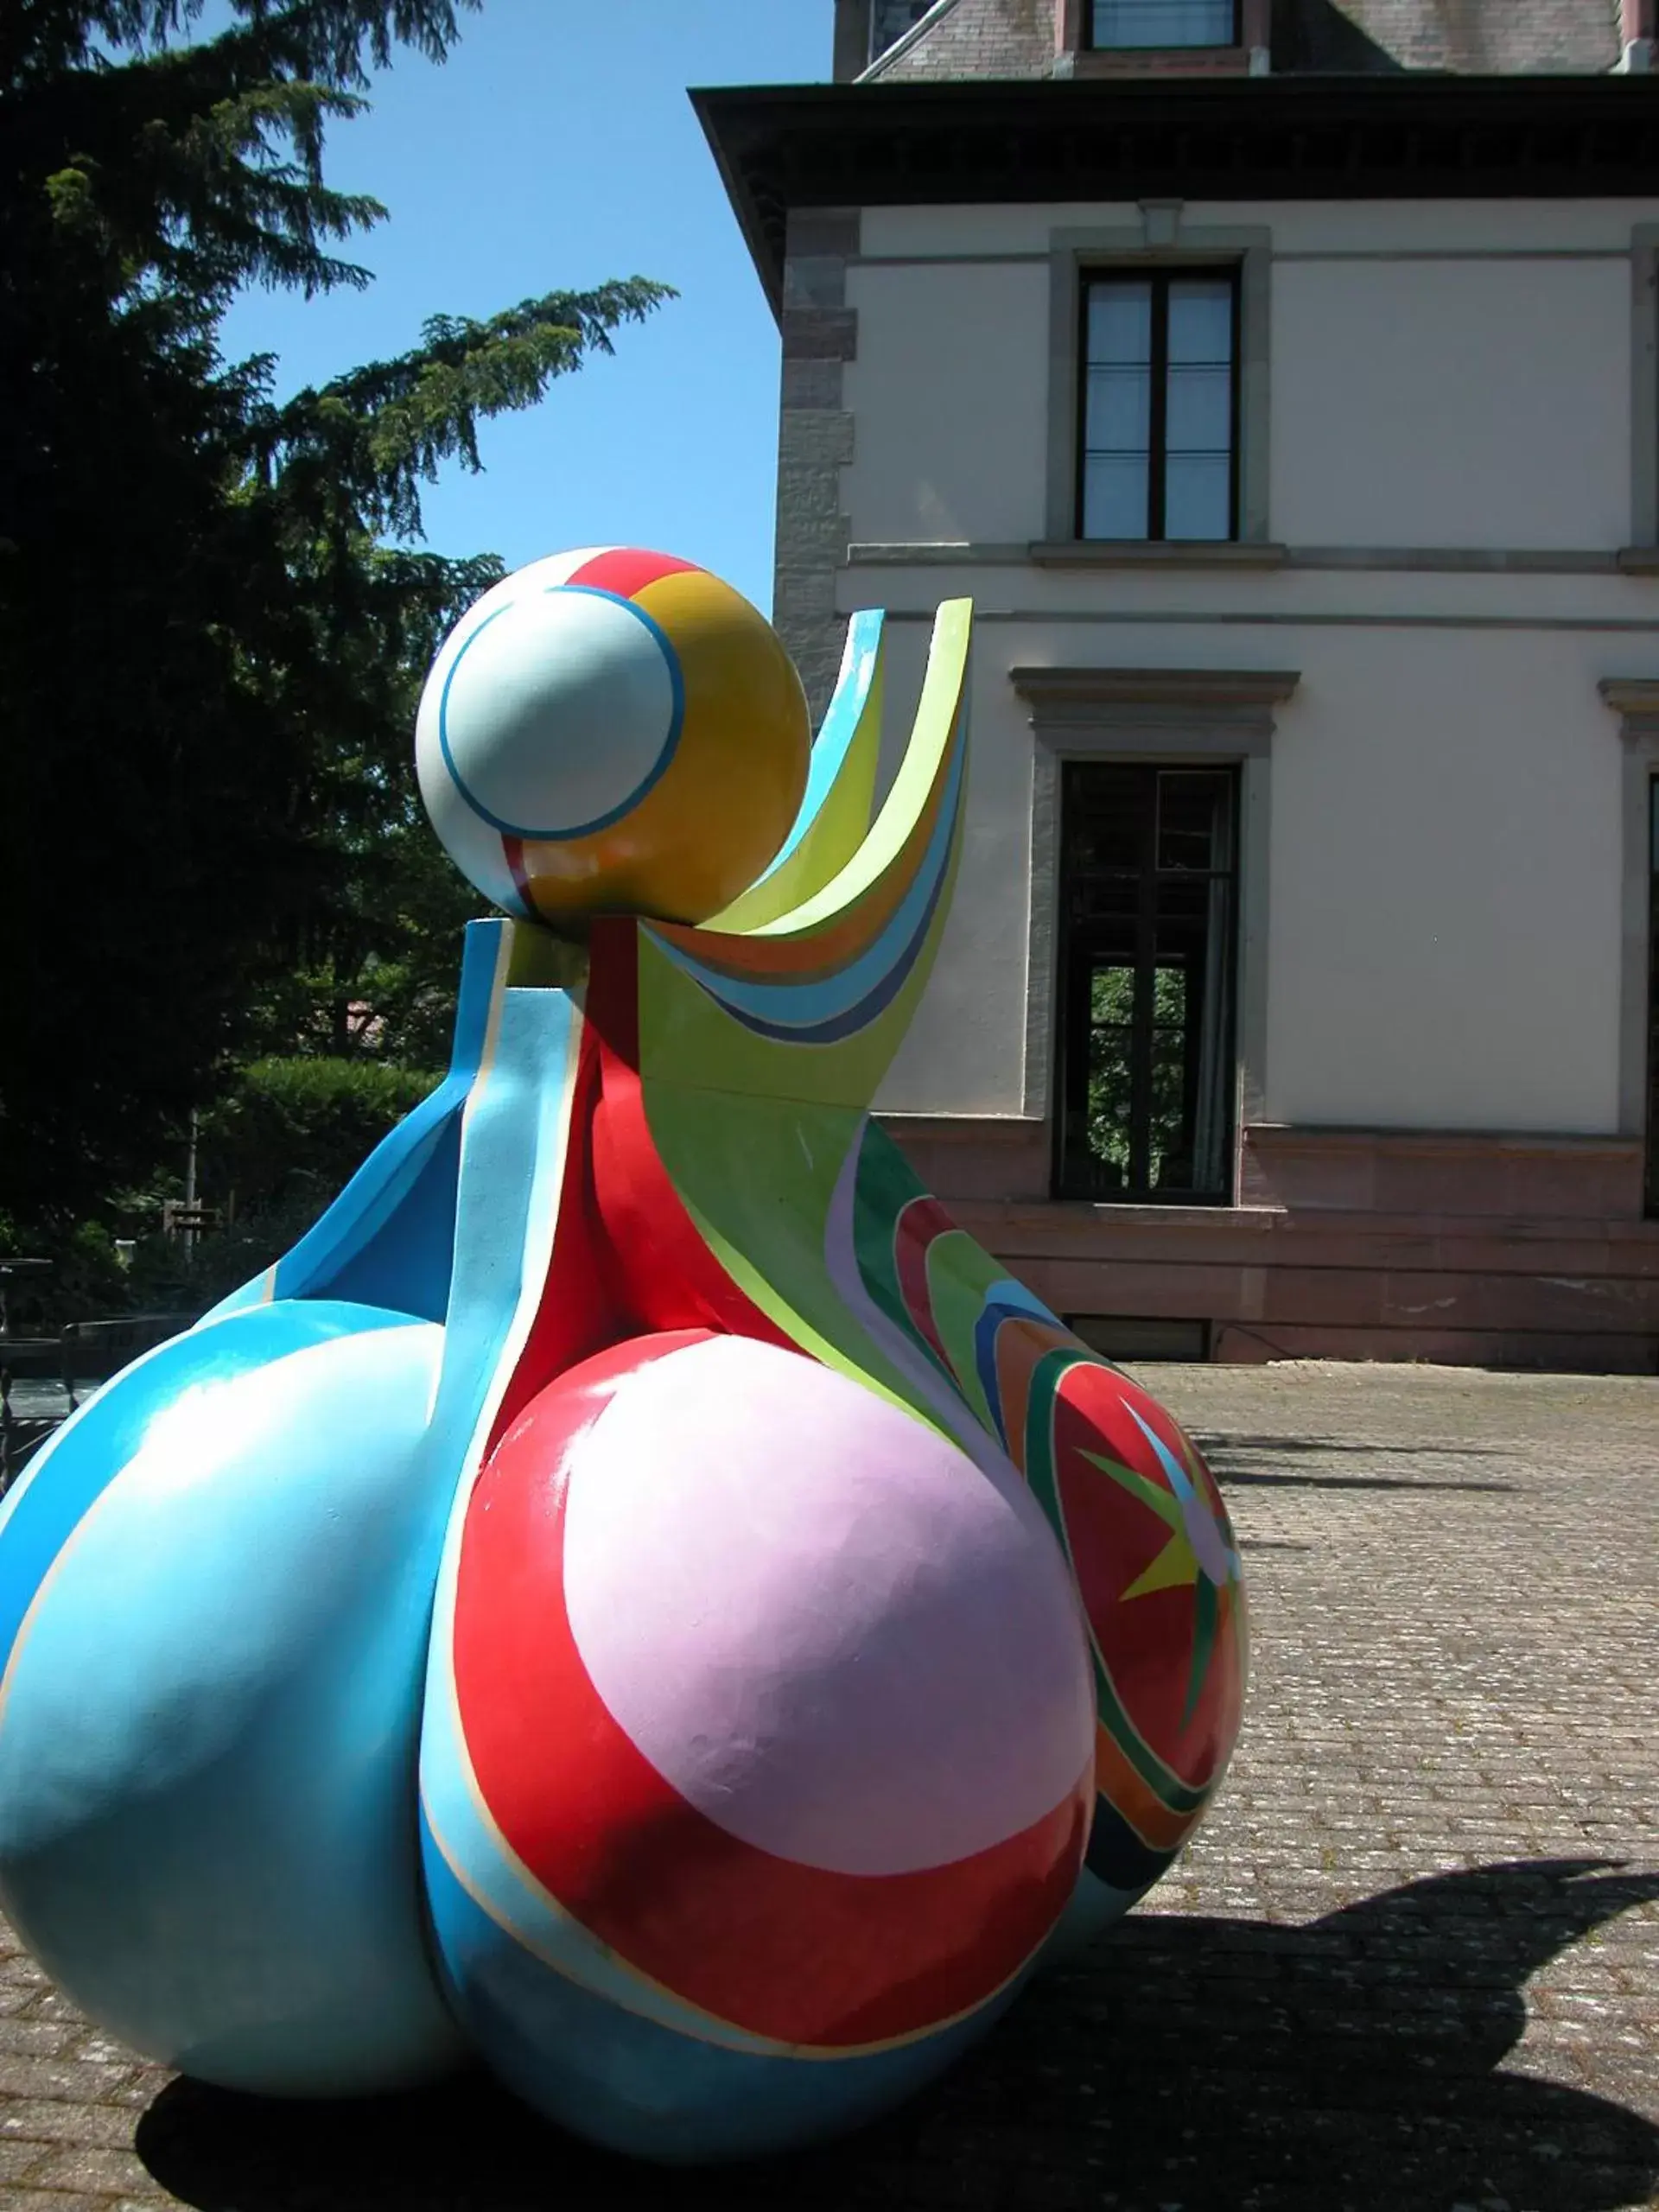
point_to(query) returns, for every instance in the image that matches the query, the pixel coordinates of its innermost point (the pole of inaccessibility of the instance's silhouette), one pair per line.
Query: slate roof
(1015, 39)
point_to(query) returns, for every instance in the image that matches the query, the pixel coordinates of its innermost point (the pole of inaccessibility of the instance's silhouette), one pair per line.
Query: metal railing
(43, 1379)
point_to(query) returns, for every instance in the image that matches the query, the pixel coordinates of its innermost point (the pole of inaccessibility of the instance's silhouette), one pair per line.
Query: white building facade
(1297, 438)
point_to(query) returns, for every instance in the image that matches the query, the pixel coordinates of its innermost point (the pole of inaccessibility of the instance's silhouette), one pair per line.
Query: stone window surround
(1635, 700)
(1645, 392)
(1166, 717)
(1158, 240)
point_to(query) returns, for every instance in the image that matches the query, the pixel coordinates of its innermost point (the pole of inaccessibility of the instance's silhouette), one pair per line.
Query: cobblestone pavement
(1412, 1960)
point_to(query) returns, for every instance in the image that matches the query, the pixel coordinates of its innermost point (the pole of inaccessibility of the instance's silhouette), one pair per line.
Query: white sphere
(550, 711)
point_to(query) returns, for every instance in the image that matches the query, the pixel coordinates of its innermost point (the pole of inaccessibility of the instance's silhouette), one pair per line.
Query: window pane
(1194, 819)
(1199, 426)
(1200, 412)
(1115, 496)
(1107, 841)
(1201, 320)
(890, 20)
(1120, 322)
(1120, 409)
(1148, 1071)
(1105, 810)
(1183, 907)
(1163, 22)
(1198, 496)
(1193, 1073)
(1111, 1007)
(1105, 906)
(1170, 1161)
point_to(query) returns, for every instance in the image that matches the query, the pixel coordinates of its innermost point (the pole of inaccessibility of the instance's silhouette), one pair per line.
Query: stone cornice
(1162, 553)
(1634, 699)
(1402, 136)
(1054, 690)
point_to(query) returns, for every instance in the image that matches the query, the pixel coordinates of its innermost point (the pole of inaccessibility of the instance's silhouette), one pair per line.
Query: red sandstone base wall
(1467, 1249)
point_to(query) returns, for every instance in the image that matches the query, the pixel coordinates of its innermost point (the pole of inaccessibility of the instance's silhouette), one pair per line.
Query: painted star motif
(1196, 1555)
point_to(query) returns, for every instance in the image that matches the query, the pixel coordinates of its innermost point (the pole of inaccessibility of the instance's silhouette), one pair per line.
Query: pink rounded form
(833, 1634)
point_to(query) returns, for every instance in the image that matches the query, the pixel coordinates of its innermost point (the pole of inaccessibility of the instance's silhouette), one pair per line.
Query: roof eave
(1406, 135)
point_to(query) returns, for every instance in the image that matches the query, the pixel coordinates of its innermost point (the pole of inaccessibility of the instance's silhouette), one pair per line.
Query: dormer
(866, 30)
(910, 41)
(891, 41)
(1141, 38)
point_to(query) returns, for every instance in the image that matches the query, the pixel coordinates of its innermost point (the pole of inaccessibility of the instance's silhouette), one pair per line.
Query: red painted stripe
(919, 1225)
(1146, 1643)
(662, 1271)
(782, 1950)
(514, 849)
(579, 1310)
(626, 570)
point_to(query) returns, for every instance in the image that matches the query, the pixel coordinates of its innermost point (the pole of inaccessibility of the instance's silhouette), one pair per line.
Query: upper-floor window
(890, 20)
(1158, 449)
(1164, 22)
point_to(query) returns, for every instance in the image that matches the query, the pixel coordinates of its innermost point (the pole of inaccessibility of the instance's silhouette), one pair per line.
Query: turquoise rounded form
(215, 1587)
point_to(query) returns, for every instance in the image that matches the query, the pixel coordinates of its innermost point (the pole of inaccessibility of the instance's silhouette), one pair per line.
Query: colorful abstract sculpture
(658, 774)
(787, 1630)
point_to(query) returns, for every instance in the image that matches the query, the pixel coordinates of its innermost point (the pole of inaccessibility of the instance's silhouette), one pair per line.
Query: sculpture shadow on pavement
(1355, 2060)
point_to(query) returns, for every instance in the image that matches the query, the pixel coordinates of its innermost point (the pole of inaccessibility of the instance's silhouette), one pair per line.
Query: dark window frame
(877, 29)
(1092, 44)
(1159, 277)
(1073, 1176)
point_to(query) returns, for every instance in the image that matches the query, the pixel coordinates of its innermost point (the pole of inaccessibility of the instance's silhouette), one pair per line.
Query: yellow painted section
(930, 743)
(712, 821)
(842, 820)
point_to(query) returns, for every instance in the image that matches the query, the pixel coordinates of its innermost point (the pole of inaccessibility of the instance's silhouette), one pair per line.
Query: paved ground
(1413, 1959)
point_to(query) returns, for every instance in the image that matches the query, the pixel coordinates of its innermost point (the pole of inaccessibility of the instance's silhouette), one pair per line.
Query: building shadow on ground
(1246, 1462)
(1183, 2062)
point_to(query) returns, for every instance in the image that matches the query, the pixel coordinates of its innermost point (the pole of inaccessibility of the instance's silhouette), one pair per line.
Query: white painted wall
(1444, 937)
(1444, 942)
(1444, 926)
(1468, 402)
(1416, 400)
(950, 394)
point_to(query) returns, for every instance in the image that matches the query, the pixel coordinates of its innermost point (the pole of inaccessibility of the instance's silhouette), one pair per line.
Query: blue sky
(554, 148)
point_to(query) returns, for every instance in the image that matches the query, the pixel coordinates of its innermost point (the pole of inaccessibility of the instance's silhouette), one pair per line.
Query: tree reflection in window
(1147, 982)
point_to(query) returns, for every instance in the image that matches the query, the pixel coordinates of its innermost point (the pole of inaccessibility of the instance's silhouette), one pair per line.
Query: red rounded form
(801, 1954)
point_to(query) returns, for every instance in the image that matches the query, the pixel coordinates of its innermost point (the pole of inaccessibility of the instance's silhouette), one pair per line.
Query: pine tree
(208, 656)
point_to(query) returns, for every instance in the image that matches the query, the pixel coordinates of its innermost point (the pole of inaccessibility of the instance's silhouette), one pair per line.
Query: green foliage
(368, 947)
(368, 440)
(210, 845)
(91, 1278)
(1112, 1031)
(298, 1130)
(88, 1279)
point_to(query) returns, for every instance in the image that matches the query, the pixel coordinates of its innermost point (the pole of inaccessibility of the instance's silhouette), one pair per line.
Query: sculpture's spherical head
(611, 730)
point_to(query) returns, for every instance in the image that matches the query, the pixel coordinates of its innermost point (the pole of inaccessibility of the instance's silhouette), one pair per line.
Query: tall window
(1653, 998)
(1149, 893)
(1158, 449)
(1164, 22)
